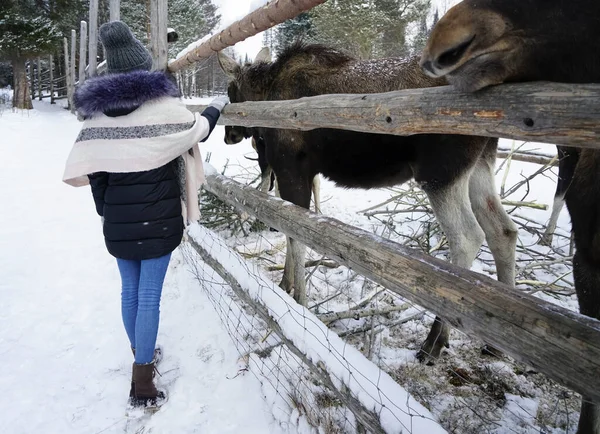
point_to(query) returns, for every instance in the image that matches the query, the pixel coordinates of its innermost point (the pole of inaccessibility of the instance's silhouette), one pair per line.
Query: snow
(191, 47)
(395, 407)
(66, 358)
(65, 353)
(394, 349)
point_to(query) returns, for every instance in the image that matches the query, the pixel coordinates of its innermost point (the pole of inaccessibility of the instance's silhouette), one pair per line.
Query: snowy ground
(468, 393)
(66, 363)
(66, 356)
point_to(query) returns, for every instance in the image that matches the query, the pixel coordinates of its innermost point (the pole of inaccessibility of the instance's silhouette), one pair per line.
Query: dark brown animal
(485, 42)
(455, 171)
(235, 134)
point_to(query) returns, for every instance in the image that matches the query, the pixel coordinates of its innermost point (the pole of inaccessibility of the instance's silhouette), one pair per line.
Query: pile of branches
(408, 219)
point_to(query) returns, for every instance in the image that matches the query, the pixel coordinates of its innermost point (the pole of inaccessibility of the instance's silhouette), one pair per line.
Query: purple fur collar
(122, 91)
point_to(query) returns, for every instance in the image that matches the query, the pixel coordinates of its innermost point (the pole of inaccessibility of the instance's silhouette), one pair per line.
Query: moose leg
(265, 179)
(453, 210)
(567, 161)
(316, 191)
(583, 201)
(293, 281)
(500, 231)
(287, 281)
(586, 273)
(294, 187)
(557, 206)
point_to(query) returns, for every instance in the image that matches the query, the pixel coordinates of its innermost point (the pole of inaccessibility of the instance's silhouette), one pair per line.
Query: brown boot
(143, 392)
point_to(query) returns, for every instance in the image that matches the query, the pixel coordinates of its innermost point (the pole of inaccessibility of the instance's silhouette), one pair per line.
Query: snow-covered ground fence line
(377, 402)
(559, 343)
(524, 111)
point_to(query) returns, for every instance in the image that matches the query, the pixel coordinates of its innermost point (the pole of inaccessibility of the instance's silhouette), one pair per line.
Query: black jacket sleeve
(98, 182)
(212, 115)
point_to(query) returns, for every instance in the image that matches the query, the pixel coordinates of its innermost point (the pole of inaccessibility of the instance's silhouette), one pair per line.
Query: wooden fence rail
(263, 18)
(559, 343)
(565, 114)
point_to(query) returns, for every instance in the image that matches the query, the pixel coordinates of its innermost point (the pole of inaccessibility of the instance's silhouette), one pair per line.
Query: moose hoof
(488, 350)
(286, 286)
(431, 350)
(546, 239)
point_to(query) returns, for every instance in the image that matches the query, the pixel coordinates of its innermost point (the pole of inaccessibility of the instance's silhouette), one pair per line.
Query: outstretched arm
(213, 112)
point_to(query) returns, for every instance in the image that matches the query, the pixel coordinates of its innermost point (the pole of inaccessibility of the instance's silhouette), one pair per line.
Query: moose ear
(228, 65)
(264, 55)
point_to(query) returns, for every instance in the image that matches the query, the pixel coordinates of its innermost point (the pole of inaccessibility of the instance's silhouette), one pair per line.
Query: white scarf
(151, 136)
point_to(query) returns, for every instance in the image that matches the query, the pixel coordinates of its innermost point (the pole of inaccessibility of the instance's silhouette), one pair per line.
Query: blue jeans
(142, 283)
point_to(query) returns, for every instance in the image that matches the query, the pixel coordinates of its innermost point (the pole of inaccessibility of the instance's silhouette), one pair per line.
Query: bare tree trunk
(22, 97)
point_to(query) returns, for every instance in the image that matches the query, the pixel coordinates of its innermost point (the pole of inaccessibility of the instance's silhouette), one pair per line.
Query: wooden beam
(51, 63)
(565, 114)
(559, 343)
(72, 68)
(69, 84)
(93, 51)
(82, 51)
(31, 78)
(263, 18)
(39, 78)
(115, 10)
(158, 34)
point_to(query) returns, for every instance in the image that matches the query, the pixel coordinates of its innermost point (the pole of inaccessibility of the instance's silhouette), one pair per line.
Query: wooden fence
(559, 343)
(45, 81)
(562, 344)
(566, 114)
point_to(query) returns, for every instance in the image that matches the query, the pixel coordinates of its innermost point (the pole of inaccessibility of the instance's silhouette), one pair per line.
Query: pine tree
(292, 30)
(422, 35)
(192, 19)
(347, 24)
(24, 34)
(370, 28)
(269, 38)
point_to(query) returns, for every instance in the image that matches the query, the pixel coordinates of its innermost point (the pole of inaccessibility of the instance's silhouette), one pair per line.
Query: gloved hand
(219, 102)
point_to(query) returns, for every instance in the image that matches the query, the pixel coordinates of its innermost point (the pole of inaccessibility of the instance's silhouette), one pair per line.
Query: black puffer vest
(141, 210)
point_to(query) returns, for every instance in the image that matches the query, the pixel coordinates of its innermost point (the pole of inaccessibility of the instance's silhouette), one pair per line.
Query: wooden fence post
(93, 51)
(68, 77)
(51, 79)
(32, 78)
(115, 10)
(39, 77)
(82, 51)
(158, 34)
(72, 65)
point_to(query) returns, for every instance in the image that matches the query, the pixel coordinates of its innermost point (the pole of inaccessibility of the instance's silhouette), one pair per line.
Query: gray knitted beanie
(124, 52)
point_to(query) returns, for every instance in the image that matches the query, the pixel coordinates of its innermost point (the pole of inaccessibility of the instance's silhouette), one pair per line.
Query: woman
(136, 141)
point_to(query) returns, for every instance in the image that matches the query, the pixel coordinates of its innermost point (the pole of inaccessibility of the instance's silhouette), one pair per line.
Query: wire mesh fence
(466, 391)
(322, 379)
